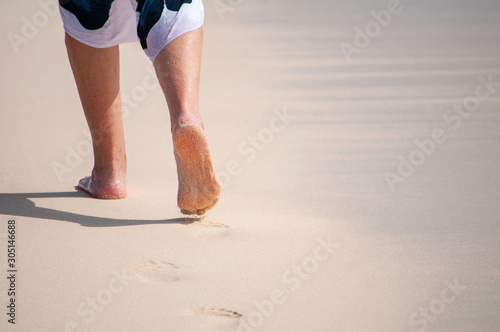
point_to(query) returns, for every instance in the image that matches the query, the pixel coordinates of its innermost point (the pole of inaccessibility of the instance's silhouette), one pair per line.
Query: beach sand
(356, 196)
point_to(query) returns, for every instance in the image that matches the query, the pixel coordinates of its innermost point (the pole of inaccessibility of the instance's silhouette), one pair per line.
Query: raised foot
(199, 188)
(112, 190)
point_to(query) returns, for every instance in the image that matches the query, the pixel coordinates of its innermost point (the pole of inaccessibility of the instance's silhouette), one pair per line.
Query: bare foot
(114, 189)
(199, 188)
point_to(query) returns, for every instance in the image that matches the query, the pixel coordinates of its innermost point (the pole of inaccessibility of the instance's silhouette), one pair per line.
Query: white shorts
(154, 23)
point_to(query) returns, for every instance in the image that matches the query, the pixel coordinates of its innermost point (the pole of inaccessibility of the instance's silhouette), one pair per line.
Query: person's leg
(178, 71)
(96, 72)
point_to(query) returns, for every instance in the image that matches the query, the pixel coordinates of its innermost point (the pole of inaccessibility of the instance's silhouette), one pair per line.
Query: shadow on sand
(19, 204)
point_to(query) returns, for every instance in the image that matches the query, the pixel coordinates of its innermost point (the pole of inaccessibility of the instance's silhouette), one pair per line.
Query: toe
(86, 184)
(188, 212)
(205, 209)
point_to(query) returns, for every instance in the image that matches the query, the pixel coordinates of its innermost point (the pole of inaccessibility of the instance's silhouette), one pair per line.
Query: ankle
(186, 117)
(112, 173)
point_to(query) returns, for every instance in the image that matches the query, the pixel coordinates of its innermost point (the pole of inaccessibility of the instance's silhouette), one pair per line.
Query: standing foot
(199, 188)
(106, 189)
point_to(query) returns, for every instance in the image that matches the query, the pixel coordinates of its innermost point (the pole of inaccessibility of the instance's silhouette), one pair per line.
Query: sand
(356, 196)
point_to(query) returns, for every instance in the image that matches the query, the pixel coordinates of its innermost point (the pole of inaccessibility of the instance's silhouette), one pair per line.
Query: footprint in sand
(201, 221)
(209, 224)
(213, 318)
(153, 271)
(203, 228)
